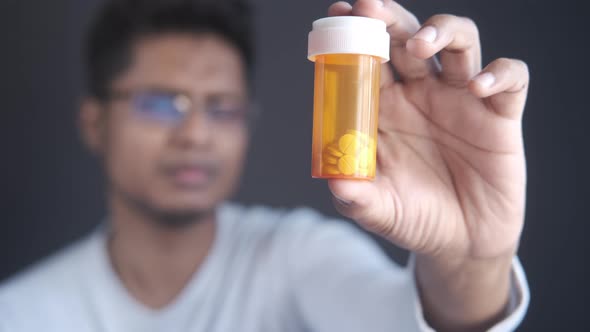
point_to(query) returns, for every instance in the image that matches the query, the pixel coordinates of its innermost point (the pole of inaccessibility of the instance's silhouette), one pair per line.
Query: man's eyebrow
(206, 96)
(162, 89)
(148, 88)
(226, 94)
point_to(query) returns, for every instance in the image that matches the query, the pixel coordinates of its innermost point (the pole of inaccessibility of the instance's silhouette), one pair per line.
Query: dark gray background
(50, 188)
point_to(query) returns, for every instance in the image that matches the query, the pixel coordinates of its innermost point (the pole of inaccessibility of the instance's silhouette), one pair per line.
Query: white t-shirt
(268, 271)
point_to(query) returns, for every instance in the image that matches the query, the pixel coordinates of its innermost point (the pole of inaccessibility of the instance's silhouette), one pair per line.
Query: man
(168, 113)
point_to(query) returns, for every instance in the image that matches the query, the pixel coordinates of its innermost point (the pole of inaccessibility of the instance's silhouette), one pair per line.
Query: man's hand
(451, 176)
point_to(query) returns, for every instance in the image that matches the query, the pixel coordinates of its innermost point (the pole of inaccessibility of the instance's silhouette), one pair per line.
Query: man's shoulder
(257, 218)
(285, 225)
(45, 295)
(303, 239)
(53, 275)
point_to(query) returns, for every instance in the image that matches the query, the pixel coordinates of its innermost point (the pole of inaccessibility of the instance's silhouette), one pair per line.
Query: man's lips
(190, 175)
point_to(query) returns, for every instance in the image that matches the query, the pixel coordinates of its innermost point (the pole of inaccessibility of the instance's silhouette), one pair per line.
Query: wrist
(463, 294)
(451, 265)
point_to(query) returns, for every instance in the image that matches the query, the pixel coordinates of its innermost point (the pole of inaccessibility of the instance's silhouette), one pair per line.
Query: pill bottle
(348, 52)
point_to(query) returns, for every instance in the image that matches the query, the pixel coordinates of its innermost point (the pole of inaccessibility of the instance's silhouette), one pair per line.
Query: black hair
(121, 23)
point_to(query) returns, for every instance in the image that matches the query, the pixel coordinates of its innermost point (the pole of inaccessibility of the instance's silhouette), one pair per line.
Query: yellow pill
(331, 170)
(363, 172)
(333, 150)
(349, 144)
(347, 164)
(328, 159)
(371, 145)
(364, 158)
(363, 138)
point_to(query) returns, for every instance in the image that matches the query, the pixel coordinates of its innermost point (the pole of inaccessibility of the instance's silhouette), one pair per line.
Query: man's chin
(175, 211)
(173, 208)
(179, 218)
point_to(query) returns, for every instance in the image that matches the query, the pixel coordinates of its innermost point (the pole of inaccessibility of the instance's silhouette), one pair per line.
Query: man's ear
(91, 122)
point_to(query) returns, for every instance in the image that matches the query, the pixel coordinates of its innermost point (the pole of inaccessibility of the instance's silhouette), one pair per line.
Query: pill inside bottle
(348, 52)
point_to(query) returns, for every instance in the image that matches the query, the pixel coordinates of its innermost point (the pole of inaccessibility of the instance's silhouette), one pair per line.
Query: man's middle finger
(401, 25)
(457, 40)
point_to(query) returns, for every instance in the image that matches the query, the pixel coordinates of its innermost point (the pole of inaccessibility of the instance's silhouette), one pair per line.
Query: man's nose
(194, 130)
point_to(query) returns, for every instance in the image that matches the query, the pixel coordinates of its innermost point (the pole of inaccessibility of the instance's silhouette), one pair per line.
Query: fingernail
(427, 34)
(381, 3)
(485, 80)
(342, 201)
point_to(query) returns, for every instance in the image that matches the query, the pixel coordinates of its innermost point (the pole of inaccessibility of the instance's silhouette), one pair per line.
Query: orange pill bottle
(348, 52)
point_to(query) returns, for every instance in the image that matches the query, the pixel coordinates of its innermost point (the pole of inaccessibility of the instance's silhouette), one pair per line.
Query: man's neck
(155, 263)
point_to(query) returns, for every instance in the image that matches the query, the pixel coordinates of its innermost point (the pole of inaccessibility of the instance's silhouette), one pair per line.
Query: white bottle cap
(348, 35)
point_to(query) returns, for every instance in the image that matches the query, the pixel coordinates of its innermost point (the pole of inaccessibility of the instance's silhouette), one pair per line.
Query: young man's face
(173, 136)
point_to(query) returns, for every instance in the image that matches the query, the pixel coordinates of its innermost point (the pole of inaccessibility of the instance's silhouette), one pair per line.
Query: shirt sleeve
(342, 281)
(517, 306)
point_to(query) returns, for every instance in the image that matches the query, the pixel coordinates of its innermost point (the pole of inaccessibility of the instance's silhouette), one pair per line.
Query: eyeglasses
(171, 107)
